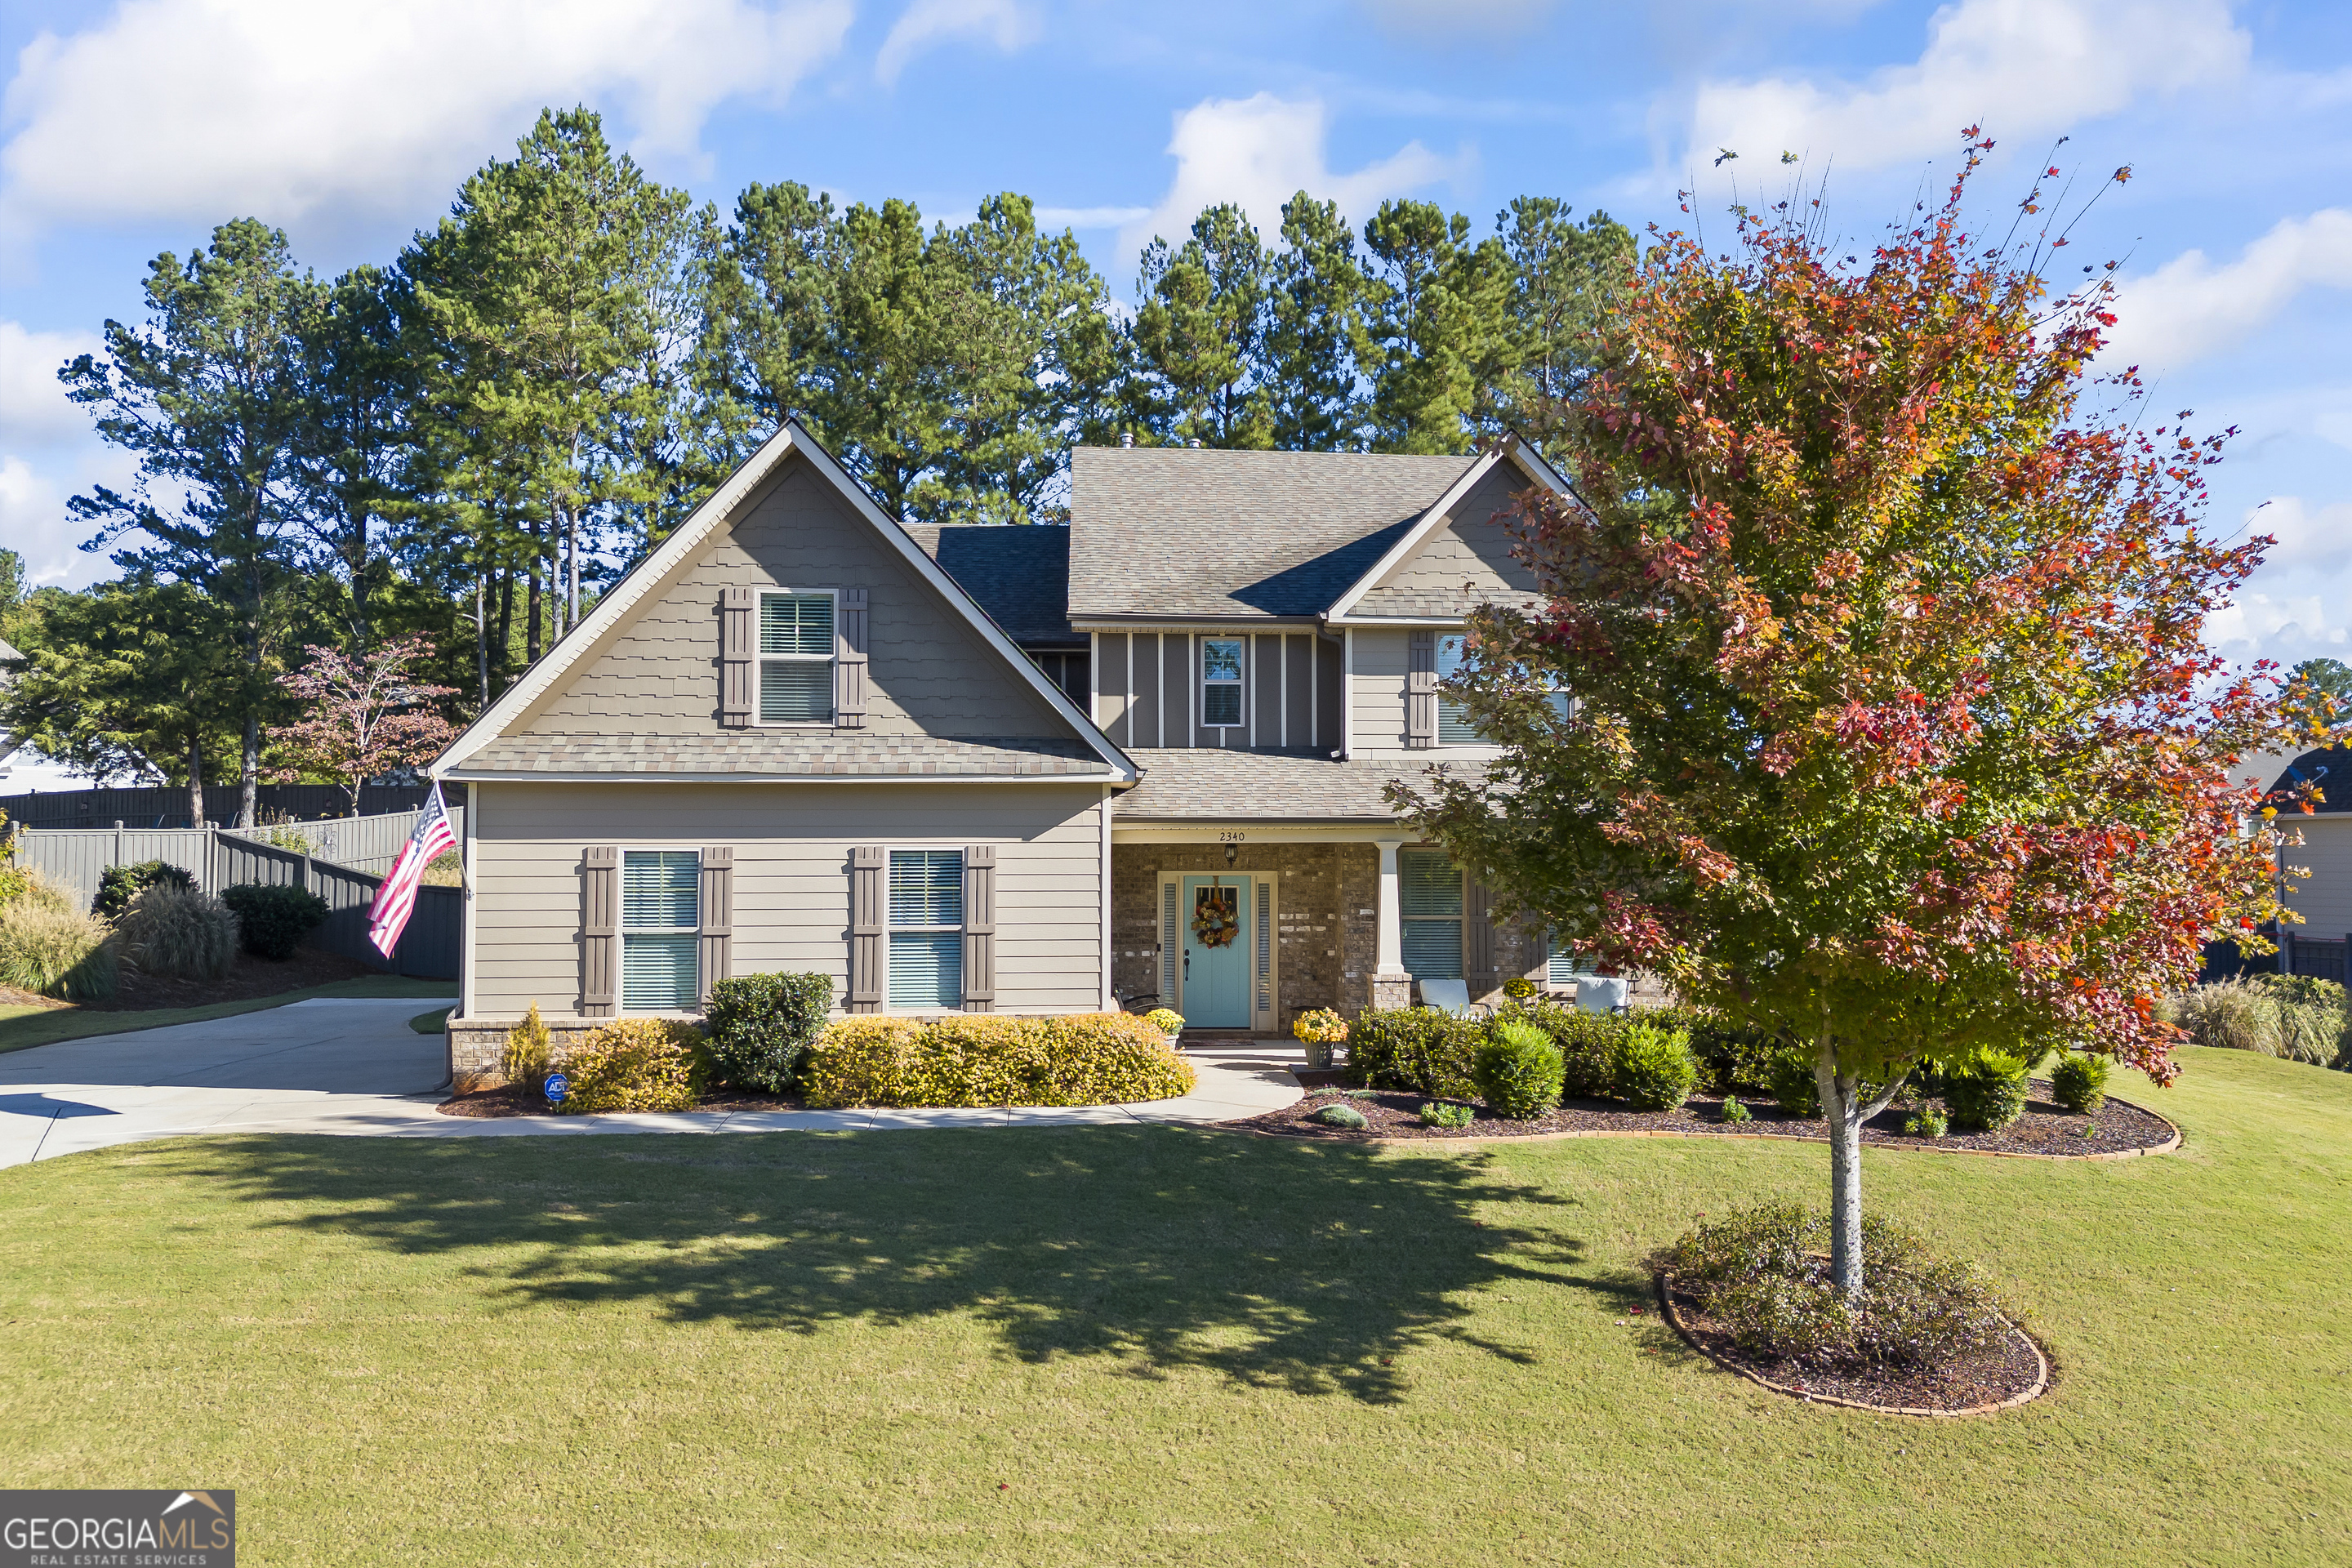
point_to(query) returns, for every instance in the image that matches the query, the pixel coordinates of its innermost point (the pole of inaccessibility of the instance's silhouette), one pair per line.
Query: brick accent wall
(1328, 929)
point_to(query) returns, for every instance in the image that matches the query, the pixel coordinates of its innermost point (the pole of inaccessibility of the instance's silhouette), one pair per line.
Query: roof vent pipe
(1195, 442)
(1126, 438)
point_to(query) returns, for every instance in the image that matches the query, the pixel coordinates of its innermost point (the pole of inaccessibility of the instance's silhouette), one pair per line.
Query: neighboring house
(2322, 894)
(1019, 769)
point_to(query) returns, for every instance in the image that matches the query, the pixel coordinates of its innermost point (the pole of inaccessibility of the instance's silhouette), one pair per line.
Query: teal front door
(1216, 976)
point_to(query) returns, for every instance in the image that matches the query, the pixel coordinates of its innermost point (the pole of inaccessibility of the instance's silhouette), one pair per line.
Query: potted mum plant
(1318, 1031)
(1168, 1021)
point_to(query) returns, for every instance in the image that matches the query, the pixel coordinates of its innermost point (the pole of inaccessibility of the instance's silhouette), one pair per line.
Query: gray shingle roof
(1019, 573)
(1177, 531)
(2330, 768)
(1277, 786)
(774, 752)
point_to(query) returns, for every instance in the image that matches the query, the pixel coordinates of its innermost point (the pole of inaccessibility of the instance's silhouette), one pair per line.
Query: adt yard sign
(556, 1087)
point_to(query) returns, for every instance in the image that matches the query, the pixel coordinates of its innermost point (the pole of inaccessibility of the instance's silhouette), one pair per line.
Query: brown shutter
(980, 928)
(869, 871)
(718, 917)
(849, 661)
(600, 930)
(1421, 691)
(736, 686)
(1479, 939)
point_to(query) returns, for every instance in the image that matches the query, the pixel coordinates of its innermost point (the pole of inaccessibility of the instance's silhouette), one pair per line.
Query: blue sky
(131, 129)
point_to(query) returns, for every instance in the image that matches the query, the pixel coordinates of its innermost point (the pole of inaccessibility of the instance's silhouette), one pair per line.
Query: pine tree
(1315, 319)
(1197, 336)
(1437, 333)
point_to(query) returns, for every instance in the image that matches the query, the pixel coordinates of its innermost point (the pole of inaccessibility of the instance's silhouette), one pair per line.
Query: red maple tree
(363, 716)
(1895, 730)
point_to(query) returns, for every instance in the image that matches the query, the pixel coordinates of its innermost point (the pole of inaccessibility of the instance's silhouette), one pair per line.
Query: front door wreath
(1215, 919)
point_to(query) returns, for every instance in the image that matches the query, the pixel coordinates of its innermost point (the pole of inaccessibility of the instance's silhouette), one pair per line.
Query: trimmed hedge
(1987, 1094)
(1418, 1049)
(1518, 1071)
(1084, 1058)
(761, 1025)
(272, 919)
(637, 1064)
(2079, 1082)
(1655, 1069)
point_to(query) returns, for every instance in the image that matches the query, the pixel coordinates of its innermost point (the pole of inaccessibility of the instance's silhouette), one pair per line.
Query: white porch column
(1392, 985)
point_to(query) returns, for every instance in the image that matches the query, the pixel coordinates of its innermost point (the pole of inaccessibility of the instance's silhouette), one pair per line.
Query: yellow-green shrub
(1084, 1058)
(637, 1064)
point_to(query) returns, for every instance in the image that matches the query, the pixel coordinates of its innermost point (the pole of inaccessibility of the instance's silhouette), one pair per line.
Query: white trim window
(1453, 726)
(1221, 683)
(926, 930)
(1564, 966)
(1429, 902)
(796, 649)
(661, 926)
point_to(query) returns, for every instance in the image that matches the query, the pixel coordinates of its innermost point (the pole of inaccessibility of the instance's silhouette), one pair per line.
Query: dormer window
(1221, 682)
(796, 649)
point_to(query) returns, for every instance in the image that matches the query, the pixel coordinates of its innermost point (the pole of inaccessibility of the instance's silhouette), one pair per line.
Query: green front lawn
(24, 1027)
(1160, 1346)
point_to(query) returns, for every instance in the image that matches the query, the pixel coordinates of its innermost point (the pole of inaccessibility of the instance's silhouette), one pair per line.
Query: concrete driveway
(354, 1067)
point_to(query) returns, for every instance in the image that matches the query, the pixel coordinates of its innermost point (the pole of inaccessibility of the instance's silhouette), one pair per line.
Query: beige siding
(2323, 896)
(791, 845)
(929, 673)
(1294, 704)
(1382, 655)
(1470, 547)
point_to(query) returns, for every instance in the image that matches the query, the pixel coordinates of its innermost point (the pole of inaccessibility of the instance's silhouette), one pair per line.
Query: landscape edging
(2041, 1362)
(1922, 1147)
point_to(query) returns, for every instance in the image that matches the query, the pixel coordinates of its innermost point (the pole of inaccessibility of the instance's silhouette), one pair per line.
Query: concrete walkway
(354, 1067)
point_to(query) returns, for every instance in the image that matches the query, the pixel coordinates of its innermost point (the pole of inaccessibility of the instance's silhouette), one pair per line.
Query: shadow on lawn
(1275, 1263)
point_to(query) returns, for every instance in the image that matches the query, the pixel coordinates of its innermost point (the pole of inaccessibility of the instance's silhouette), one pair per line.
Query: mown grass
(1160, 1346)
(22, 1027)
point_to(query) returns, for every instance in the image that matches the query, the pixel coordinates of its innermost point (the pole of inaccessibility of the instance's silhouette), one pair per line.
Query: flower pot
(1318, 1053)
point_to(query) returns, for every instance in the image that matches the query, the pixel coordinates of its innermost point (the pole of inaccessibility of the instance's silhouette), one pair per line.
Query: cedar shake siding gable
(929, 675)
(1466, 561)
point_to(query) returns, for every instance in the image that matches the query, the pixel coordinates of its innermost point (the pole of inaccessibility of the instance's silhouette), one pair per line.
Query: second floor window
(1221, 682)
(1453, 726)
(796, 658)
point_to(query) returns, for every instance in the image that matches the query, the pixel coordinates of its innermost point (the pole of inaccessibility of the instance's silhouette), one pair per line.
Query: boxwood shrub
(2079, 1082)
(1987, 1092)
(1417, 1049)
(272, 921)
(1654, 1069)
(117, 885)
(1518, 1071)
(1084, 1058)
(762, 1024)
(1588, 1045)
(1794, 1088)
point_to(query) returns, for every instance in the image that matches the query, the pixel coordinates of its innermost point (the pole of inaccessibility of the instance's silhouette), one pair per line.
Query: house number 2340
(1232, 837)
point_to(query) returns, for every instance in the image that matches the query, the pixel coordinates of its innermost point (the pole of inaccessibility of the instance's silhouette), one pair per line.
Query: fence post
(118, 843)
(2286, 949)
(306, 873)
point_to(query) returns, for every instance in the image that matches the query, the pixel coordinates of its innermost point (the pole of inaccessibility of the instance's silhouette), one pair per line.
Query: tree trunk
(1844, 1110)
(196, 778)
(481, 645)
(506, 620)
(249, 773)
(532, 602)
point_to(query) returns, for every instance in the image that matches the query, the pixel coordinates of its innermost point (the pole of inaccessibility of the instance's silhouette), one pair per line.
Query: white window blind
(1567, 966)
(1220, 681)
(795, 658)
(1429, 901)
(661, 921)
(1453, 726)
(926, 928)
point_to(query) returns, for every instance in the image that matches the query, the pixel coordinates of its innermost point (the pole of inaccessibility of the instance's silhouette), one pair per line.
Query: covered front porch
(1244, 925)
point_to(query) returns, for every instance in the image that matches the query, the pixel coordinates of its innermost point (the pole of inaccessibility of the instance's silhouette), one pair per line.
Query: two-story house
(1029, 770)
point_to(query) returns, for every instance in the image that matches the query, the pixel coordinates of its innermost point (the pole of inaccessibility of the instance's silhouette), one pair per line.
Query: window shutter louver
(980, 928)
(1421, 691)
(1479, 939)
(735, 652)
(717, 916)
(869, 869)
(1171, 943)
(600, 929)
(849, 662)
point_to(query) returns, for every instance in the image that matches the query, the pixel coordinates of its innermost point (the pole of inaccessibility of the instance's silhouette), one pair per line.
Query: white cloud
(929, 22)
(34, 409)
(2190, 307)
(2298, 604)
(1490, 18)
(2017, 67)
(183, 109)
(1260, 151)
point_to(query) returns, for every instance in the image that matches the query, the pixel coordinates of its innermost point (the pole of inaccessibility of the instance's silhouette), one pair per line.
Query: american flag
(388, 916)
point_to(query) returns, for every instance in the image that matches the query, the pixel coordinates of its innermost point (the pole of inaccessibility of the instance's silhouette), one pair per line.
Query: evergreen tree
(1568, 283)
(360, 367)
(1198, 335)
(211, 397)
(1315, 319)
(1438, 332)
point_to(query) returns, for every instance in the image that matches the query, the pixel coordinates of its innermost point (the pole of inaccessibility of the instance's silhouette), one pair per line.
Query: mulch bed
(516, 1100)
(12, 997)
(2045, 1129)
(247, 979)
(2009, 1371)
